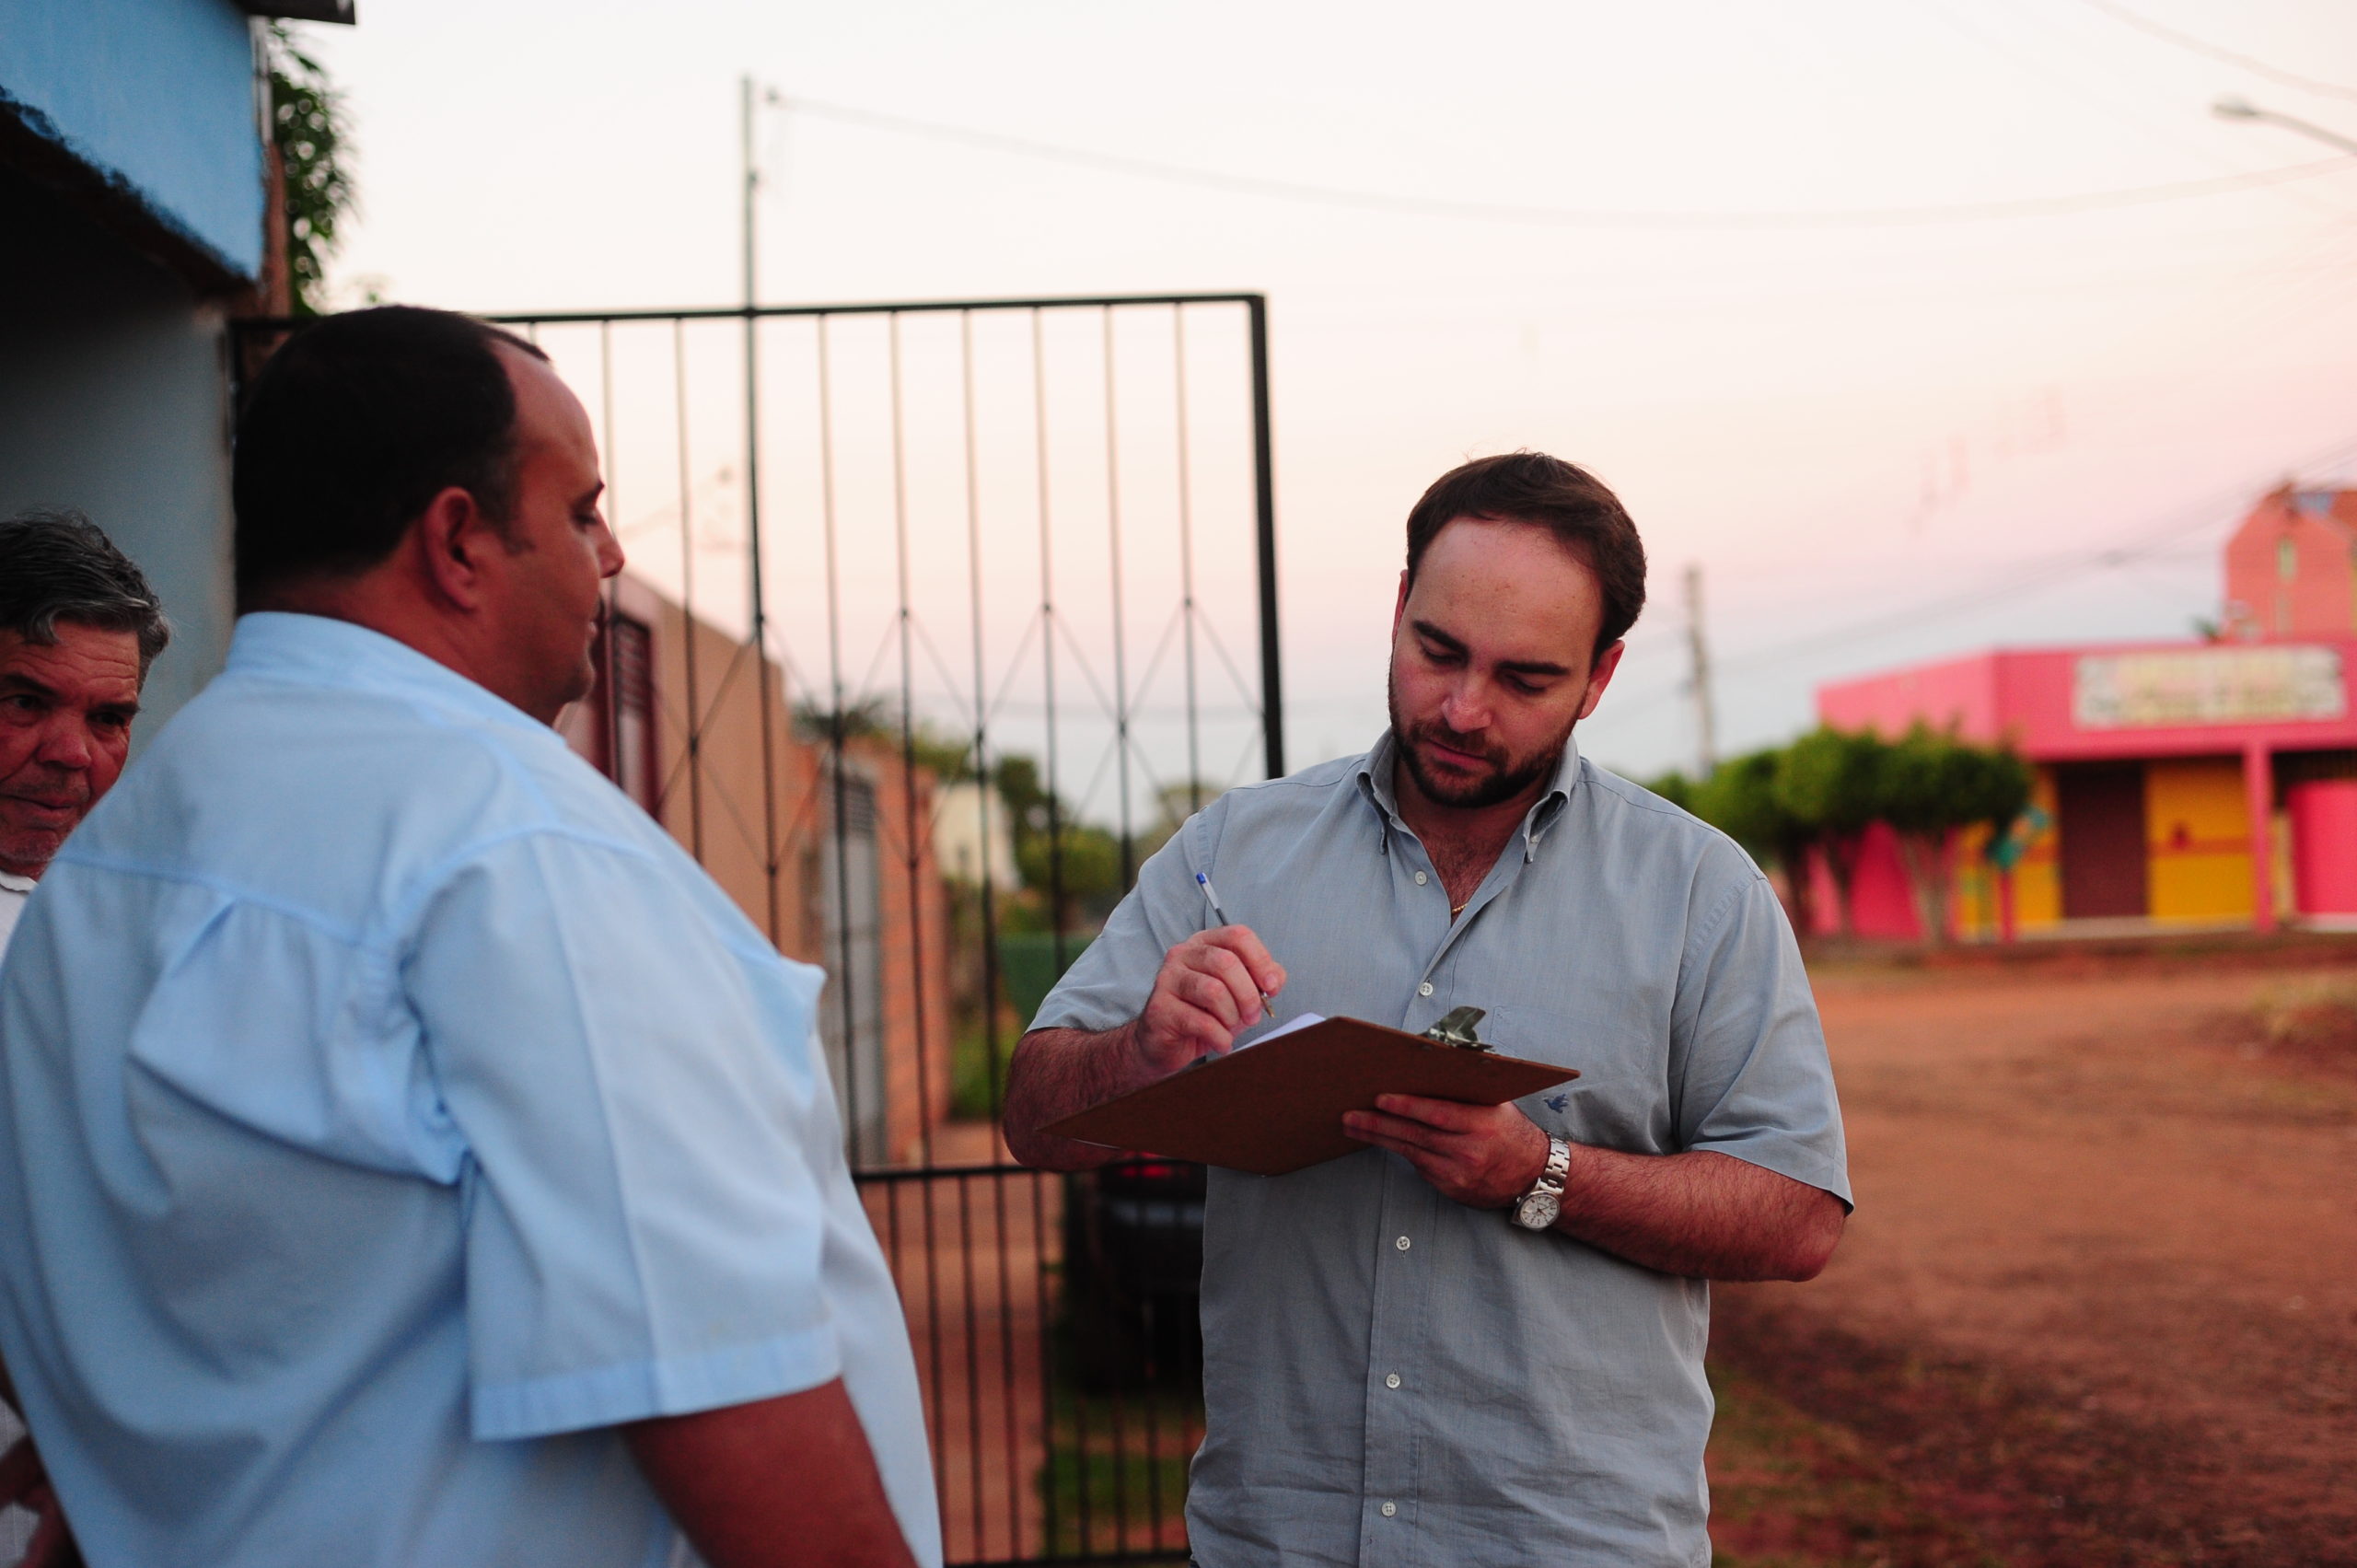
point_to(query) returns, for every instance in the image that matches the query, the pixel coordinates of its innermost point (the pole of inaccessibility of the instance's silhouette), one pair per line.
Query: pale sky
(1737, 285)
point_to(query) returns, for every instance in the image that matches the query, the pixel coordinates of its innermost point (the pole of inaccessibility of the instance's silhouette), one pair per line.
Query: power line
(1565, 218)
(2187, 40)
(2034, 574)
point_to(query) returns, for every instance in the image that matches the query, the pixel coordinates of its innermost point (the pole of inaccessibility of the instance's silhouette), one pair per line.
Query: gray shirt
(1391, 1378)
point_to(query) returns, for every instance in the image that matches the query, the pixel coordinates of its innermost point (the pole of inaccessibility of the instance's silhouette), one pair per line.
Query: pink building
(2179, 783)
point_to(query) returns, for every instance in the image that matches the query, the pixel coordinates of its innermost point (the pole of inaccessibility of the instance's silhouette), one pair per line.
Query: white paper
(1303, 1022)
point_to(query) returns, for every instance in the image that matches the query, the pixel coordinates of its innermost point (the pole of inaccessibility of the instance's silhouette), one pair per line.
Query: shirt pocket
(1621, 1098)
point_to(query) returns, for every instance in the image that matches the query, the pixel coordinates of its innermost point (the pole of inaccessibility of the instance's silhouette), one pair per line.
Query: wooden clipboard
(1277, 1105)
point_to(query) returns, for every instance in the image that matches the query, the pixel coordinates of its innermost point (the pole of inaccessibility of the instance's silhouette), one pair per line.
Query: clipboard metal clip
(1455, 1028)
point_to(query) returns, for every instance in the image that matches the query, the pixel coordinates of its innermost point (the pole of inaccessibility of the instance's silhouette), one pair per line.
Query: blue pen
(1203, 880)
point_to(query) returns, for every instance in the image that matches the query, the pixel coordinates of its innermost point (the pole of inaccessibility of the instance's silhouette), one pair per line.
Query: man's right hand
(1208, 988)
(1207, 992)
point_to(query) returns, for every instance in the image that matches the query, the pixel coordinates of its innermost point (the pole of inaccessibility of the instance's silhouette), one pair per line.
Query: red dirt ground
(2099, 1303)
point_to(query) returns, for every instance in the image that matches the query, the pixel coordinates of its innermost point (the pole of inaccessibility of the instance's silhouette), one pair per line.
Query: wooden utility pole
(1706, 755)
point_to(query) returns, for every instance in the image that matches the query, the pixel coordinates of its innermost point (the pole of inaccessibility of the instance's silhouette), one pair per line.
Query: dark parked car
(1134, 1265)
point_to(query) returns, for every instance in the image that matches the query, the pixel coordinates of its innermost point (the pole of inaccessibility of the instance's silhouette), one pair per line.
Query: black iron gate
(938, 619)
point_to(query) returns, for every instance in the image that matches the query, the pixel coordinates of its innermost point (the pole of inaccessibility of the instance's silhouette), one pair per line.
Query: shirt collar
(12, 883)
(321, 650)
(1377, 768)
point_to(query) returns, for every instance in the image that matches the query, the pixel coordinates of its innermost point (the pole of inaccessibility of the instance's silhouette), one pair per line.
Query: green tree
(1029, 806)
(1673, 787)
(1740, 799)
(1921, 775)
(1079, 869)
(310, 134)
(1934, 784)
(1830, 782)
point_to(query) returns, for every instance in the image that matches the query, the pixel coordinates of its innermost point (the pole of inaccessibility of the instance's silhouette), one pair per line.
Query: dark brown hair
(356, 424)
(1548, 492)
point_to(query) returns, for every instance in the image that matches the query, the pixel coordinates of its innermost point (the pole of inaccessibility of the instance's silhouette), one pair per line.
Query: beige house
(838, 866)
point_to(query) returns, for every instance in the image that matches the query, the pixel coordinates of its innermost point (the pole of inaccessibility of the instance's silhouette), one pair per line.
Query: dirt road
(2099, 1303)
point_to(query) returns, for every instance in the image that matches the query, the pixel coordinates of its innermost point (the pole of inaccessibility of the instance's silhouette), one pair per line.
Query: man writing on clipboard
(1481, 1340)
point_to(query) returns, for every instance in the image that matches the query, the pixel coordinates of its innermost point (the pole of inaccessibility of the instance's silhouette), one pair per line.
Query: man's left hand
(1484, 1157)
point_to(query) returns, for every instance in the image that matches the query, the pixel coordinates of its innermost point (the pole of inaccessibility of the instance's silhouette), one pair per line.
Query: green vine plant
(308, 128)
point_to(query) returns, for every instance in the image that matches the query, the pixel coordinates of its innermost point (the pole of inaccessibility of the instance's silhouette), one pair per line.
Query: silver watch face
(1538, 1211)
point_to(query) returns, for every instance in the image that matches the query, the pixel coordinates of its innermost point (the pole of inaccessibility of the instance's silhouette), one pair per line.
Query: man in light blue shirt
(1479, 1341)
(407, 1155)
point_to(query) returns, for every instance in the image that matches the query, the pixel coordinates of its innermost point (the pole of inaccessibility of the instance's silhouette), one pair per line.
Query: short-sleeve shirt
(389, 1110)
(1391, 1378)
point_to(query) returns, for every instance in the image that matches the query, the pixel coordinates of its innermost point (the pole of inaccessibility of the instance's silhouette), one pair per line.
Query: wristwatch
(1536, 1209)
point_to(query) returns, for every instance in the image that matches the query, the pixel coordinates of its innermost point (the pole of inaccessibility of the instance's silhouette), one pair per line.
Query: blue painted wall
(114, 399)
(157, 93)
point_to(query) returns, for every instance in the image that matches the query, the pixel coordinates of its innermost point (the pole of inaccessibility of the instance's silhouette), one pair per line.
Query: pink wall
(2025, 695)
(1882, 904)
(2323, 845)
(1963, 692)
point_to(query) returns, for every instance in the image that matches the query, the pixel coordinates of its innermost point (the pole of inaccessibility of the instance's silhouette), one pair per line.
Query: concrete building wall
(113, 399)
(2292, 567)
(155, 96)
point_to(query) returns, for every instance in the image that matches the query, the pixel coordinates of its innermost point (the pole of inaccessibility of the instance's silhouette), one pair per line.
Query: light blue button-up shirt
(1393, 1380)
(389, 1110)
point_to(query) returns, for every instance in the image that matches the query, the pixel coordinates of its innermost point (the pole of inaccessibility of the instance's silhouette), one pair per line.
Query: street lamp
(2233, 108)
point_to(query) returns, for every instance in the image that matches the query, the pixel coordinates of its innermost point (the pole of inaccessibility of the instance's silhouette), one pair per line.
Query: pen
(1203, 880)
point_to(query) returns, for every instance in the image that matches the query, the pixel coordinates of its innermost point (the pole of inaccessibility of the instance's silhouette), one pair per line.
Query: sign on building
(2198, 686)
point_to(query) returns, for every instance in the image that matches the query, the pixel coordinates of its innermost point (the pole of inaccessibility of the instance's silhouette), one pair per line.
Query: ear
(452, 539)
(1600, 676)
(1399, 606)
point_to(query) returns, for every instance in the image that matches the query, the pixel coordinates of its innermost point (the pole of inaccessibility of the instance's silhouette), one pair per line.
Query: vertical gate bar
(973, 1355)
(912, 859)
(760, 628)
(1121, 656)
(936, 1407)
(1272, 706)
(911, 848)
(1116, 1411)
(1186, 563)
(688, 594)
(611, 670)
(1047, 645)
(1045, 1310)
(1151, 1415)
(1006, 1372)
(984, 788)
(1083, 1503)
(929, 1394)
(844, 986)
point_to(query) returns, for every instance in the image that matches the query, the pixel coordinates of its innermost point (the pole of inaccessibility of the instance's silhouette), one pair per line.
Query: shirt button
(1389, 1509)
(1392, 1381)
(1425, 989)
(1402, 1244)
(1421, 879)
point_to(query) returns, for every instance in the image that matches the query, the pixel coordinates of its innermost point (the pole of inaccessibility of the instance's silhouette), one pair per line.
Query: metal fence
(939, 616)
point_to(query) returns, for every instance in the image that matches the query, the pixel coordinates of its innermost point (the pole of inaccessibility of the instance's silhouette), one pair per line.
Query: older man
(78, 628)
(448, 1171)
(1479, 1341)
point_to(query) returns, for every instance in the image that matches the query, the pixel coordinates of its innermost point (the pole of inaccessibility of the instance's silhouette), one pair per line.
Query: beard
(1506, 776)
